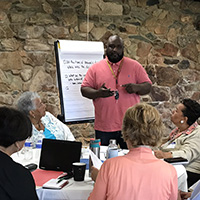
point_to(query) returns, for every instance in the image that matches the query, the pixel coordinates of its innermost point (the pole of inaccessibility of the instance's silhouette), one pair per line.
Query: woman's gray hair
(26, 103)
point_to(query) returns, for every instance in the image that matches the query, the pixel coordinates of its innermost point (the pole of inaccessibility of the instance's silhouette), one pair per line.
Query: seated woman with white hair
(42, 121)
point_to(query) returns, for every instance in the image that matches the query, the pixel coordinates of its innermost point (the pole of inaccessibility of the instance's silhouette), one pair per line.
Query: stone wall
(163, 35)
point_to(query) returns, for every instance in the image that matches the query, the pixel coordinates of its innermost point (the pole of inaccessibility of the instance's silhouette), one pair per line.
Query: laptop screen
(59, 155)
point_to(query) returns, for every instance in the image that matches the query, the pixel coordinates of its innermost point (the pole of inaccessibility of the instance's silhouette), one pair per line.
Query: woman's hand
(184, 195)
(94, 173)
(160, 154)
(179, 195)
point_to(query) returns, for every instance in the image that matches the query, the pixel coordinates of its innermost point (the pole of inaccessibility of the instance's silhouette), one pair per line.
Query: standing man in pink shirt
(114, 84)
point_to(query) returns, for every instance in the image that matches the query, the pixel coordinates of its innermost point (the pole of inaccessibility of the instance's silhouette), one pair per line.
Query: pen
(62, 176)
(60, 179)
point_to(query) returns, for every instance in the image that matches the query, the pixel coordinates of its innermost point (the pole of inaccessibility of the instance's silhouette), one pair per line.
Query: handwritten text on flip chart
(75, 71)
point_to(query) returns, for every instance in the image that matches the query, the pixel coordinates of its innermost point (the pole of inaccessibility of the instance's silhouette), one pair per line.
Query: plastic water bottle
(40, 137)
(28, 150)
(112, 149)
(38, 146)
(95, 148)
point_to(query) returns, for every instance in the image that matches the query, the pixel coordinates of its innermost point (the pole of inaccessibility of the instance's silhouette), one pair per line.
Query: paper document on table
(194, 185)
(95, 160)
(55, 184)
(196, 194)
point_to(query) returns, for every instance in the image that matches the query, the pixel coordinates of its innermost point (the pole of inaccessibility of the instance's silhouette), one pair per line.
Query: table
(75, 190)
(81, 190)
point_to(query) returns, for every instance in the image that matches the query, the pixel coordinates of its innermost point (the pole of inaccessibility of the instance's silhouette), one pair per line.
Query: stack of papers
(95, 160)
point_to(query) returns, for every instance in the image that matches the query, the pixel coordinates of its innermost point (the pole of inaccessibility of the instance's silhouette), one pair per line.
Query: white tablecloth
(81, 190)
(75, 190)
(182, 177)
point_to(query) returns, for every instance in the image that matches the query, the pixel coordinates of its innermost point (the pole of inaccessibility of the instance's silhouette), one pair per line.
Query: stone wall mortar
(164, 36)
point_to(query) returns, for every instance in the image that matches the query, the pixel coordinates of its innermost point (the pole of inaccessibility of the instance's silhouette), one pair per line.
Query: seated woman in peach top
(139, 175)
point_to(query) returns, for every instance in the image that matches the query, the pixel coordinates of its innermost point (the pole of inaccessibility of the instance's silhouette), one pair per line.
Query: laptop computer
(58, 155)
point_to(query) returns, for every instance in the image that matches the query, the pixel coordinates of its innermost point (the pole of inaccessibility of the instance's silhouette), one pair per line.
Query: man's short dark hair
(14, 126)
(191, 111)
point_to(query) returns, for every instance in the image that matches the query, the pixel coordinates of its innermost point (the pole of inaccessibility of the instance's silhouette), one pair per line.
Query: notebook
(59, 155)
(54, 184)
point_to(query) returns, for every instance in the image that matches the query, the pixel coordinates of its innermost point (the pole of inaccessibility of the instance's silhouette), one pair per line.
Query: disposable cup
(79, 171)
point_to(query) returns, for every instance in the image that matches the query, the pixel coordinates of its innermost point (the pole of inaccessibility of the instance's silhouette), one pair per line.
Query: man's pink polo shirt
(109, 112)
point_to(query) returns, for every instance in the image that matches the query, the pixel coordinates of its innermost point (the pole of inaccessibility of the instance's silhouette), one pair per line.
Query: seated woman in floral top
(42, 121)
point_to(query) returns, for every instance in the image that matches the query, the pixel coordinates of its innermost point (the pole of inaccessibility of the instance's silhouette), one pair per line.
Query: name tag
(171, 146)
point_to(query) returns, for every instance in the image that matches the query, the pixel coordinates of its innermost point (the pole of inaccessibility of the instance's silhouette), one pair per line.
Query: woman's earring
(182, 121)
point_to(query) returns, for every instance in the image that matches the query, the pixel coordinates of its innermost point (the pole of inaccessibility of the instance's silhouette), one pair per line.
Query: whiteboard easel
(73, 58)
